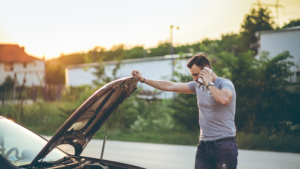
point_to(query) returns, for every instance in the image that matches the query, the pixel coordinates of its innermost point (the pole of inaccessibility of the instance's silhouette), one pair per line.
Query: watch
(209, 84)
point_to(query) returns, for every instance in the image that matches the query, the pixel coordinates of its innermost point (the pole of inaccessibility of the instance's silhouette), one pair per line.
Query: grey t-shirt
(216, 121)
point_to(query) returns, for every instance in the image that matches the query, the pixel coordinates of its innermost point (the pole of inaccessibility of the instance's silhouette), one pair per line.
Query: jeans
(217, 155)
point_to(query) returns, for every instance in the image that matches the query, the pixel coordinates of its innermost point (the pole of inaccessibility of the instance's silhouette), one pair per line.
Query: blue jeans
(217, 155)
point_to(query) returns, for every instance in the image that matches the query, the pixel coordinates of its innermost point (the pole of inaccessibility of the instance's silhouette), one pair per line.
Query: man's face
(195, 72)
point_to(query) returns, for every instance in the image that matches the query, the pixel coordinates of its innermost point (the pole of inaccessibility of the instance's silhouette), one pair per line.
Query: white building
(277, 41)
(14, 62)
(159, 68)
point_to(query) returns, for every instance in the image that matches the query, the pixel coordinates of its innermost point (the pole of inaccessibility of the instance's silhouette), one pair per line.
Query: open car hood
(81, 126)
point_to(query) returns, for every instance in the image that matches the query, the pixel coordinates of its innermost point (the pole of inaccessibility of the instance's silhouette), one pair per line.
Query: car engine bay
(75, 162)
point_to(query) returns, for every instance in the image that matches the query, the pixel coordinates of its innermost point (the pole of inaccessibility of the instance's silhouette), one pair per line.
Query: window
(9, 66)
(298, 76)
(24, 65)
(11, 134)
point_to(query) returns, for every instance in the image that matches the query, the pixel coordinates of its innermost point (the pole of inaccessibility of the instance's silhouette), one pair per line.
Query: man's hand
(137, 74)
(206, 76)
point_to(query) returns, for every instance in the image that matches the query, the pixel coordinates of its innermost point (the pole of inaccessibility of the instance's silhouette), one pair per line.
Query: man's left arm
(223, 96)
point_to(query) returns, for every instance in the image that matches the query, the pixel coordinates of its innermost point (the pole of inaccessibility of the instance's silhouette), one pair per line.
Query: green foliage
(68, 59)
(229, 43)
(102, 78)
(292, 23)
(162, 49)
(116, 52)
(41, 116)
(186, 112)
(262, 99)
(137, 114)
(153, 116)
(77, 94)
(156, 136)
(8, 83)
(95, 55)
(45, 119)
(188, 48)
(258, 20)
(135, 52)
(275, 142)
(55, 73)
(101, 75)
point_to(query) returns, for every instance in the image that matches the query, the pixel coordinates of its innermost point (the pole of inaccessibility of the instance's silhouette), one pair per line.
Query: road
(164, 156)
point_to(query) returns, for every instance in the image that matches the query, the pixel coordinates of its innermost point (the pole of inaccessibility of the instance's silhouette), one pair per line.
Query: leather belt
(219, 140)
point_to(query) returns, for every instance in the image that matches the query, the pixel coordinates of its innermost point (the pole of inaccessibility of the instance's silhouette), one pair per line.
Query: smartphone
(200, 79)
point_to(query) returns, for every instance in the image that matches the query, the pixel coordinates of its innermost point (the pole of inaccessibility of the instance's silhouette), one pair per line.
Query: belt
(219, 140)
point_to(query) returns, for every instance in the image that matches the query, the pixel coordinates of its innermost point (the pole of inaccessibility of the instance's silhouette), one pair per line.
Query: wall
(159, 70)
(278, 41)
(31, 76)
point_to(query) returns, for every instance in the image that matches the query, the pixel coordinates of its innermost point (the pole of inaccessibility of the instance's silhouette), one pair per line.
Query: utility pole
(14, 92)
(94, 55)
(276, 6)
(171, 48)
(172, 52)
(45, 79)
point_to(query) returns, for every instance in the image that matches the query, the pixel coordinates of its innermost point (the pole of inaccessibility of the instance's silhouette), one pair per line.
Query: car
(21, 148)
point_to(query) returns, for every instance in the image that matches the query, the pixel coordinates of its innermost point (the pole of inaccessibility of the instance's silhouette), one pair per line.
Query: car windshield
(20, 146)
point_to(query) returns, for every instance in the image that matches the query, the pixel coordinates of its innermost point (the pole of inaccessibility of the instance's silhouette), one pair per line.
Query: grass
(245, 141)
(281, 143)
(46, 118)
(171, 137)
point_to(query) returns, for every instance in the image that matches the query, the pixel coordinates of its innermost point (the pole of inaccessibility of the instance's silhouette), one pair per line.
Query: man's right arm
(164, 85)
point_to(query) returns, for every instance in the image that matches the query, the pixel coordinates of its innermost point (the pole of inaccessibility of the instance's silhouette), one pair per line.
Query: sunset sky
(55, 27)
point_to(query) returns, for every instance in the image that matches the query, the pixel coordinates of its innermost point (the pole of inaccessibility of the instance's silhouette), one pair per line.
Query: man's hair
(199, 60)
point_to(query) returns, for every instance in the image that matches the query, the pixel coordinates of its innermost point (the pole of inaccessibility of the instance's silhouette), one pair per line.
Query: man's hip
(221, 154)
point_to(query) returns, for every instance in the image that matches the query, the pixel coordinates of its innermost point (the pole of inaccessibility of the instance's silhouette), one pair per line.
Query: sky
(50, 28)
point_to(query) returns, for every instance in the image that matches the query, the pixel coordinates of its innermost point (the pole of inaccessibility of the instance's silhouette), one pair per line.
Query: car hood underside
(81, 126)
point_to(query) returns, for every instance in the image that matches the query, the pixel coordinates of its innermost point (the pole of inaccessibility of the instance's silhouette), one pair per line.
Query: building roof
(295, 28)
(10, 53)
(166, 57)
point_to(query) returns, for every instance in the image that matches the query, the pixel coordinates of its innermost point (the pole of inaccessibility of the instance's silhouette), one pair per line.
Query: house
(151, 68)
(277, 41)
(17, 64)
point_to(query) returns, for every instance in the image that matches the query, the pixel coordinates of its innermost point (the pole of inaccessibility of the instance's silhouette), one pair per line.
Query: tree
(55, 73)
(117, 52)
(162, 49)
(185, 108)
(100, 73)
(229, 43)
(293, 22)
(188, 48)
(257, 20)
(262, 99)
(95, 55)
(135, 52)
(8, 82)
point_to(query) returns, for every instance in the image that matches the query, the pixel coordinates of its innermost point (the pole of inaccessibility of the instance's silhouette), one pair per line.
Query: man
(216, 99)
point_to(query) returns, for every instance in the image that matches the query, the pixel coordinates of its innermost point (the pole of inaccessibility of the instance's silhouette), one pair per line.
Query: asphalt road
(164, 156)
